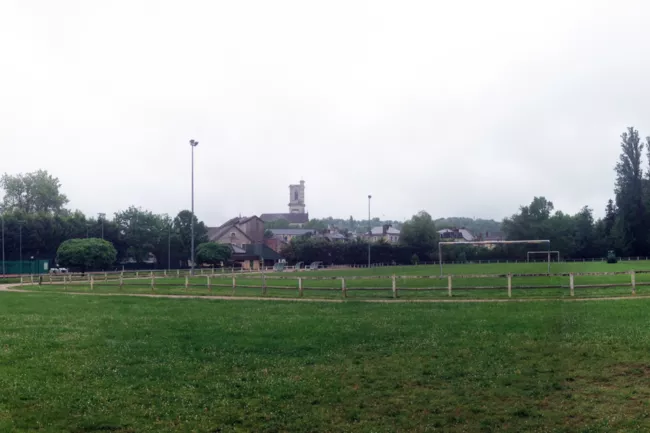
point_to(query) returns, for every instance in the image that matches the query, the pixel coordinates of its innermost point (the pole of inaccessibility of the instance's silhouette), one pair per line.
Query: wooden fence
(393, 284)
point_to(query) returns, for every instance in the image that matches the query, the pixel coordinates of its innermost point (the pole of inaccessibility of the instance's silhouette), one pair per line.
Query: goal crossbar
(531, 241)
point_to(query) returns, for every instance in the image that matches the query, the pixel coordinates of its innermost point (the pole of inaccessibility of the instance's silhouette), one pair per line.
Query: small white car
(58, 271)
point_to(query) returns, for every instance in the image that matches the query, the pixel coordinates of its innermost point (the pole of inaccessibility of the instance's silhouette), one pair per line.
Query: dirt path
(13, 289)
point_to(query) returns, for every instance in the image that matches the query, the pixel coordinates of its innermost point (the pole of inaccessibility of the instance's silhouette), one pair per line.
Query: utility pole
(4, 269)
(20, 249)
(193, 143)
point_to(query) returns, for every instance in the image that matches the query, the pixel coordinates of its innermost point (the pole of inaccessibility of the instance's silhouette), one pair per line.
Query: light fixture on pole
(369, 230)
(193, 143)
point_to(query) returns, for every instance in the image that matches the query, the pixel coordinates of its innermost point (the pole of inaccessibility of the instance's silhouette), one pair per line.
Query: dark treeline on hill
(34, 215)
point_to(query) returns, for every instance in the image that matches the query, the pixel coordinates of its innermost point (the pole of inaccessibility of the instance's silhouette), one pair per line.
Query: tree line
(625, 226)
(36, 223)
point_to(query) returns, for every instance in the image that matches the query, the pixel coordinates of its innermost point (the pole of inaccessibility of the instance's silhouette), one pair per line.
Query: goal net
(489, 244)
(546, 255)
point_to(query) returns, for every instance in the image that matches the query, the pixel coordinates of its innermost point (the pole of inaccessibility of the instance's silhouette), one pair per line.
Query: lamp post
(193, 143)
(4, 269)
(20, 243)
(169, 244)
(369, 230)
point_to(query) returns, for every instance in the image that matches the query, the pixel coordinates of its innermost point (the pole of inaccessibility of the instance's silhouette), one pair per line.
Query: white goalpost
(528, 253)
(532, 241)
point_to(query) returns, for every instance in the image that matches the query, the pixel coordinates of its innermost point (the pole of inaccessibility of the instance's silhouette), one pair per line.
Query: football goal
(488, 243)
(551, 253)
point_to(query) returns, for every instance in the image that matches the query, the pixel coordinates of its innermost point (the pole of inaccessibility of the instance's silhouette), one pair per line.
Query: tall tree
(420, 233)
(631, 225)
(32, 193)
(183, 228)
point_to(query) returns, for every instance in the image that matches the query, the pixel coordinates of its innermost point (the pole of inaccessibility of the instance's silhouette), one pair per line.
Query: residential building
(386, 233)
(456, 235)
(239, 231)
(297, 216)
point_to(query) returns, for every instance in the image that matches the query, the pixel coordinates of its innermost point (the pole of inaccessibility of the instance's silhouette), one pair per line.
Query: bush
(415, 259)
(86, 254)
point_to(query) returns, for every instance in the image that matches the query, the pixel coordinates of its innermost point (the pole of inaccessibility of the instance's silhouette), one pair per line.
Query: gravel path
(13, 288)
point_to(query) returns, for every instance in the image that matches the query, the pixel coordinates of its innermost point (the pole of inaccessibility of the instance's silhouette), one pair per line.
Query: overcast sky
(459, 108)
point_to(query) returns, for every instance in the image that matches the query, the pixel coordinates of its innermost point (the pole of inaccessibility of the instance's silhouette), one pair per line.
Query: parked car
(58, 271)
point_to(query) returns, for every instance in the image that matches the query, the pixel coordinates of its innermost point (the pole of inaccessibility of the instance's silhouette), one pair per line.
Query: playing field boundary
(12, 289)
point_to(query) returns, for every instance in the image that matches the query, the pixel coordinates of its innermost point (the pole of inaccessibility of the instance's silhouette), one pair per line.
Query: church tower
(297, 198)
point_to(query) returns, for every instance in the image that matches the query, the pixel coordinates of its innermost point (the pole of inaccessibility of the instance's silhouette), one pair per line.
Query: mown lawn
(90, 364)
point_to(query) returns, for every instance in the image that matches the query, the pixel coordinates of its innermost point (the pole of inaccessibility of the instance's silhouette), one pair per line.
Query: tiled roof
(293, 218)
(380, 231)
(291, 232)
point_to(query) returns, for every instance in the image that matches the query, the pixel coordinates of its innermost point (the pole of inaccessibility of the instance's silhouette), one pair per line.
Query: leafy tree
(268, 234)
(36, 192)
(631, 221)
(213, 253)
(86, 254)
(183, 228)
(420, 233)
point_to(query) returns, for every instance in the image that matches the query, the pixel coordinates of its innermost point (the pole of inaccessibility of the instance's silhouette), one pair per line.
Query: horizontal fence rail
(393, 285)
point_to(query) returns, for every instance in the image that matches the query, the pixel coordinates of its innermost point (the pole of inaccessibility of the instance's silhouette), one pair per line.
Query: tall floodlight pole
(20, 243)
(169, 244)
(193, 143)
(369, 230)
(101, 218)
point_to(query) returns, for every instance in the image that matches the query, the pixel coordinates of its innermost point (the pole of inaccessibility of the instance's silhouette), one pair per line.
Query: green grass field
(97, 364)
(327, 284)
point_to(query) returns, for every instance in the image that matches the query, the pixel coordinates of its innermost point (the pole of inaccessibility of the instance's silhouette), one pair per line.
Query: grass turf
(80, 364)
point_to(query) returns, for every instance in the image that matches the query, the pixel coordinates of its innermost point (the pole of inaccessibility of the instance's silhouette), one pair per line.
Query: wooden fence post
(345, 294)
(105, 276)
(178, 273)
(151, 274)
(394, 287)
(21, 280)
(300, 286)
(571, 285)
(65, 283)
(92, 282)
(449, 284)
(208, 282)
(187, 282)
(153, 282)
(633, 277)
(137, 274)
(165, 273)
(121, 282)
(263, 284)
(509, 285)
(234, 283)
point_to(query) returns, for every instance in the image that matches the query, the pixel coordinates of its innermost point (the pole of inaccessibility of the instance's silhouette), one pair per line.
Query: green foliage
(212, 253)
(36, 192)
(420, 233)
(632, 226)
(86, 254)
(415, 259)
(476, 226)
